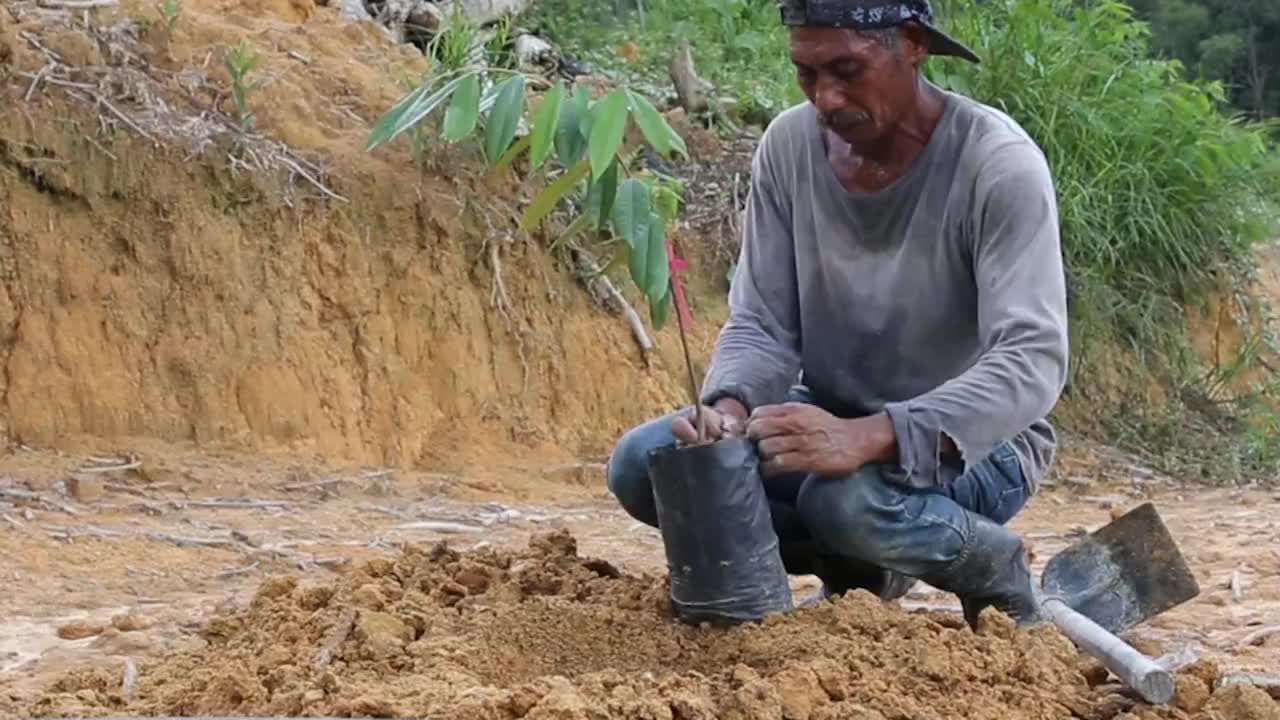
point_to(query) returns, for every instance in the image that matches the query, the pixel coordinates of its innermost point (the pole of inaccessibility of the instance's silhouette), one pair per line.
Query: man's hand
(727, 417)
(797, 437)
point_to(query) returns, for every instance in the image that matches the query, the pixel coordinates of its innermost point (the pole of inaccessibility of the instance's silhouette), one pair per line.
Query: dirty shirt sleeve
(1022, 319)
(756, 357)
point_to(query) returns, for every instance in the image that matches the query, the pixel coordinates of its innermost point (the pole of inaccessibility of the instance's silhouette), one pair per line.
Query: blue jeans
(849, 530)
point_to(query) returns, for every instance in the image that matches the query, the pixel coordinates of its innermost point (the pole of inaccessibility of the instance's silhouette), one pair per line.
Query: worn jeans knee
(628, 467)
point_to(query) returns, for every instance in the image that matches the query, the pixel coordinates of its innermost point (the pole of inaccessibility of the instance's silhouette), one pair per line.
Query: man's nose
(828, 97)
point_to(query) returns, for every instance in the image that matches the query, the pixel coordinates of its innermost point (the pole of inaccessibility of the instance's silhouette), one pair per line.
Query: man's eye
(805, 74)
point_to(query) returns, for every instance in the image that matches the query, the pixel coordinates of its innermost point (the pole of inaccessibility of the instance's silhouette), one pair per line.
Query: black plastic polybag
(722, 551)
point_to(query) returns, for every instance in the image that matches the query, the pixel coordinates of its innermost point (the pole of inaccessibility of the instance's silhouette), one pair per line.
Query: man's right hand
(726, 418)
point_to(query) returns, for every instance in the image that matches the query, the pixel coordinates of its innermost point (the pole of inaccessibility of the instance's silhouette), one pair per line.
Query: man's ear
(915, 42)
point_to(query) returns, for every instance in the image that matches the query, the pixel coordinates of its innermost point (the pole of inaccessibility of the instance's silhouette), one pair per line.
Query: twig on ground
(35, 43)
(337, 635)
(441, 526)
(185, 541)
(12, 521)
(101, 149)
(1269, 684)
(61, 533)
(312, 485)
(1257, 636)
(32, 497)
(129, 681)
(319, 186)
(588, 270)
(124, 118)
(239, 571)
(247, 503)
(77, 4)
(35, 81)
(110, 468)
(1236, 592)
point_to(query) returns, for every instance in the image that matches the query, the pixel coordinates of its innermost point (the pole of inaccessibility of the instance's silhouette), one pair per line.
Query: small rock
(1205, 669)
(312, 697)
(274, 587)
(1243, 702)
(85, 488)
(128, 622)
(382, 635)
(995, 623)
(369, 596)
(1192, 694)
(79, 630)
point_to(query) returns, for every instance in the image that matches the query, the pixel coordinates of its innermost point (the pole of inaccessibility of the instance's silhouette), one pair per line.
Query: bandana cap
(873, 15)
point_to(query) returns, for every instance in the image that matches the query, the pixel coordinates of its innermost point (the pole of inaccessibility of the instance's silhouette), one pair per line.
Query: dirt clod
(1243, 702)
(546, 633)
(79, 630)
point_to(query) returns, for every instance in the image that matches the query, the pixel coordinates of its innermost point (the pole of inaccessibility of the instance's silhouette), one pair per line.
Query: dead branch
(1236, 592)
(312, 485)
(1257, 636)
(110, 468)
(36, 498)
(689, 87)
(291, 164)
(185, 541)
(12, 521)
(1269, 684)
(129, 682)
(588, 270)
(246, 503)
(441, 526)
(77, 4)
(337, 635)
(239, 571)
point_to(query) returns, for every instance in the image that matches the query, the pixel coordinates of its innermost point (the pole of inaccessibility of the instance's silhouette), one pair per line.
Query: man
(901, 257)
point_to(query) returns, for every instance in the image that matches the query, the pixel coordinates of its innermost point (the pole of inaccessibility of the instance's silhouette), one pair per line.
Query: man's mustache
(843, 120)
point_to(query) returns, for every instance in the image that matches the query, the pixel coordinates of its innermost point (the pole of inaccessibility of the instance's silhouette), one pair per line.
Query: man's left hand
(798, 437)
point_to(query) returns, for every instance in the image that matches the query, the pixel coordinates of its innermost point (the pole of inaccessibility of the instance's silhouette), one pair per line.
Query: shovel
(1119, 576)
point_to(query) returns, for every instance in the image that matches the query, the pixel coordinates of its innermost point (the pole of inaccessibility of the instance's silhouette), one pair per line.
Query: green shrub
(1158, 190)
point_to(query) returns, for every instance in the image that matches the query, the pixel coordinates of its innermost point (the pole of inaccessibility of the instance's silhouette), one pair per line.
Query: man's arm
(1022, 318)
(757, 356)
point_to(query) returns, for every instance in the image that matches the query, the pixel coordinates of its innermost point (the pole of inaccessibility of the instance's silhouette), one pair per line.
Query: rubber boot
(840, 575)
(991, 570)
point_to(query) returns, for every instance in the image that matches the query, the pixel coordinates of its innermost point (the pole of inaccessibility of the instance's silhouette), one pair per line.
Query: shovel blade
(1122, 574)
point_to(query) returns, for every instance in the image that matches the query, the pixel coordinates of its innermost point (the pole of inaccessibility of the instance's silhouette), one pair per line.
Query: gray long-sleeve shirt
(940, 299)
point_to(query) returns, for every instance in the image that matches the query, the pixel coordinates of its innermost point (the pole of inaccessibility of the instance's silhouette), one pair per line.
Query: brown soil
(226, 301)
(286, 320)
(548, 634)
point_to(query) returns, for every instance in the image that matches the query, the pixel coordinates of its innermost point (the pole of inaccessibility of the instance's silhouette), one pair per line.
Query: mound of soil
(545, 633)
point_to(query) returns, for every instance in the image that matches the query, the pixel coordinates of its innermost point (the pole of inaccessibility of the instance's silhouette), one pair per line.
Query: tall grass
(1159, 191)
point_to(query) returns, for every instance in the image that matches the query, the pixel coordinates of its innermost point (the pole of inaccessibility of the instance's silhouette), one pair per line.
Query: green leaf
(660, 311)
(570, 141)
(601, 196)
(544, 125)
(409, 111)
(464, 109)
(657, 132)
(607, 129)
(505, 118)
(657, 276)
(547, 200)
(520, 146)
(631, 213)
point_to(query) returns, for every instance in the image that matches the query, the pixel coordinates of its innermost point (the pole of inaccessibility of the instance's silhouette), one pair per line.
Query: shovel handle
(1153, 683)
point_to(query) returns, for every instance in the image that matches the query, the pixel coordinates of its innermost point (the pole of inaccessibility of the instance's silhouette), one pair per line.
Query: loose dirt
(546, 633)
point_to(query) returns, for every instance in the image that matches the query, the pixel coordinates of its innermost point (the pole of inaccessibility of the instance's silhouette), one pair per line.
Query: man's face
(860, 87)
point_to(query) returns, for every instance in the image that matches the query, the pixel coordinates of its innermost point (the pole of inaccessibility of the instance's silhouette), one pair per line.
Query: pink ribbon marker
(677, 266)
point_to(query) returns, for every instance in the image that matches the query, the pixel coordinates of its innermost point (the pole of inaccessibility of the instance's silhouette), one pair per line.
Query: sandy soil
(119, 567)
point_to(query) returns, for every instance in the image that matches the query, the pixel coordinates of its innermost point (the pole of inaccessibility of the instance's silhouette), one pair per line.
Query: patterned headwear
(873, 15)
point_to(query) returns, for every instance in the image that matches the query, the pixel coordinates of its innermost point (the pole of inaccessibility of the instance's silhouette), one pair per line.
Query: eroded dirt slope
(289, 291)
